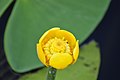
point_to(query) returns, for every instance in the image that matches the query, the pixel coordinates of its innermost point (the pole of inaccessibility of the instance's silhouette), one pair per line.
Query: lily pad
(3, 5)
(31, 18)
(86, 67)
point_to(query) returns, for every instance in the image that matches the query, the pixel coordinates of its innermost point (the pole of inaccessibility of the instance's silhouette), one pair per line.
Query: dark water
(107, 34)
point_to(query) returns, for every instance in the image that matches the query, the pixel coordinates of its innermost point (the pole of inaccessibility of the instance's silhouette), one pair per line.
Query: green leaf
(31, 18)
(3, 5)
(86, 67)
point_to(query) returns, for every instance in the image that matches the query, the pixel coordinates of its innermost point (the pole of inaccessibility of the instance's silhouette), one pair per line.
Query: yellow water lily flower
(58, 48)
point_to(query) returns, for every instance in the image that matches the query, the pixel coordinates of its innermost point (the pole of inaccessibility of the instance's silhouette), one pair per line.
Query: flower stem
(51, 73)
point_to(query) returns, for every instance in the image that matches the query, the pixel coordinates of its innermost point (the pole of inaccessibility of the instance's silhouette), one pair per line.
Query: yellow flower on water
(58, 48)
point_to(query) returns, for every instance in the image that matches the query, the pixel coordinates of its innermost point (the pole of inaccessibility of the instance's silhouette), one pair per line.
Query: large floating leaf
(86, 67)
(3, 5)
(31, 18)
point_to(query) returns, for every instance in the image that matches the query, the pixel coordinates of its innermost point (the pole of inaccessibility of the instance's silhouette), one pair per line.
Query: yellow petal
(60, 61)
(68, 36)
(48, 35)
(76, 51)
(41, 54)
(56, 32)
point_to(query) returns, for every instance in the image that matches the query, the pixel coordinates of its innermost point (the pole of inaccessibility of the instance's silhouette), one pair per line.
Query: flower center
(56, 45)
